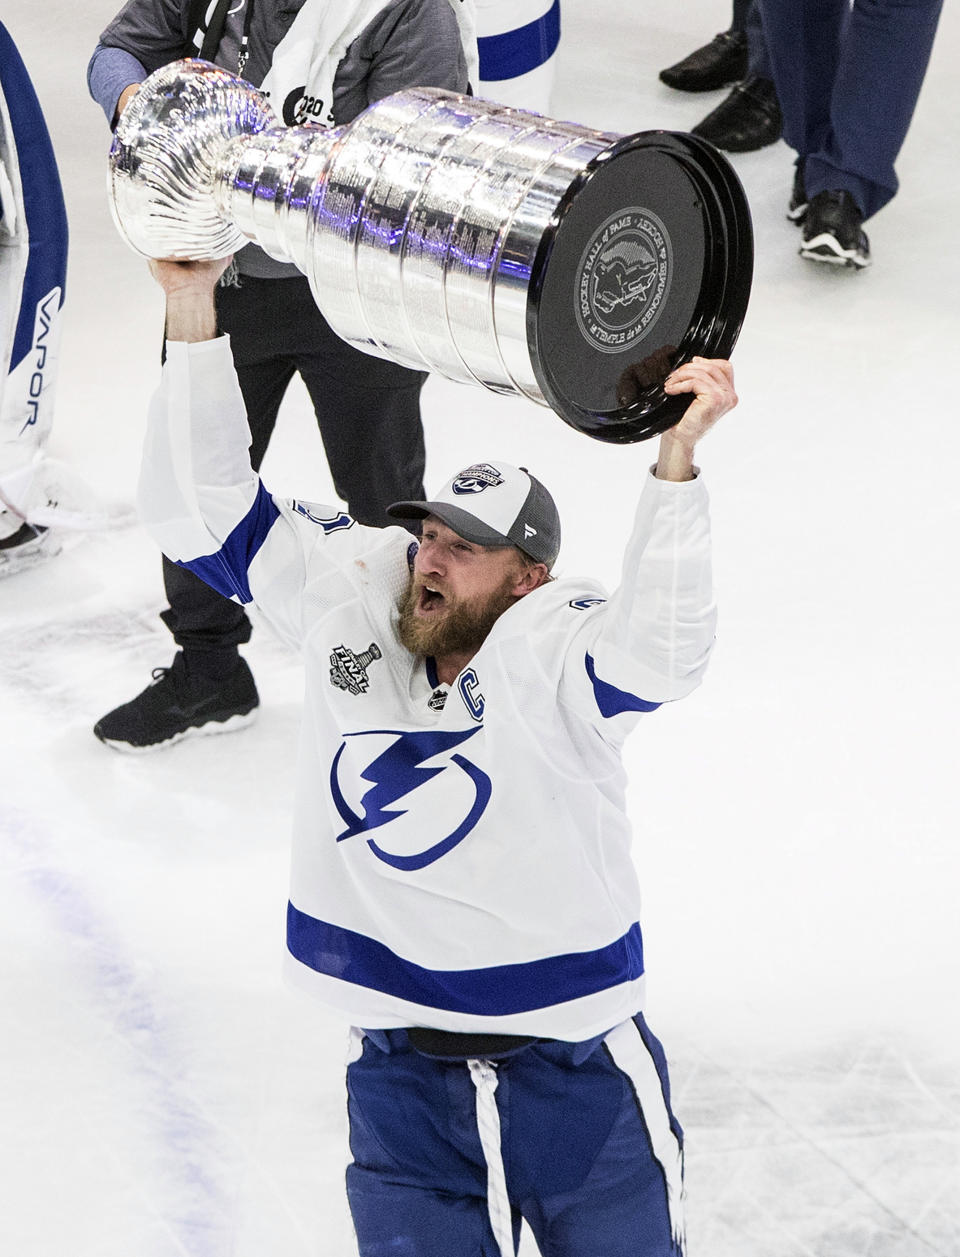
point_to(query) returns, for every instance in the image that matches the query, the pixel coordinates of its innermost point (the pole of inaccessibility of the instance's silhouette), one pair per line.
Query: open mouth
(431, 600)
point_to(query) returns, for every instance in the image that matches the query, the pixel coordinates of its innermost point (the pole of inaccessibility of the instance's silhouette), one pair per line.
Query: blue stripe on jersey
(226, 570)
(612, 701)
(519, 51)
(44, 212)
(497, 991)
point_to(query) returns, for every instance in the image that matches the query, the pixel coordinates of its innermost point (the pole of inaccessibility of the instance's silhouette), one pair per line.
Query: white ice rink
(163, 1094)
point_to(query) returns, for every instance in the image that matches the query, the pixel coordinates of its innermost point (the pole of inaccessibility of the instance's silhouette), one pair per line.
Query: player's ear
(530, 577)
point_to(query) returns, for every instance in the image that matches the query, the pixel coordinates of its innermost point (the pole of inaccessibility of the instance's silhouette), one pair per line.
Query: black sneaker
(833, 231)
(177, 705)
(718, 64)
(797, 209)
(748, 119)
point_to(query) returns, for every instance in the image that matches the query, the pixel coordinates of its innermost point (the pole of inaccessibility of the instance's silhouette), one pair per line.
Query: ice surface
(161, 1092)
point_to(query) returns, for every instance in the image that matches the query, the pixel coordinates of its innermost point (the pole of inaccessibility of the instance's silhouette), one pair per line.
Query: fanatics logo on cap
(477, 478)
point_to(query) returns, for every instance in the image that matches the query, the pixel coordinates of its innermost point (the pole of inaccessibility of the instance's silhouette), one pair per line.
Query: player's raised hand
(710, 380)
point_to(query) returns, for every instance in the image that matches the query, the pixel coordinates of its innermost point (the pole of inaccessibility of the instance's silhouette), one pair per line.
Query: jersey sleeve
(208, 510)
(649, 644)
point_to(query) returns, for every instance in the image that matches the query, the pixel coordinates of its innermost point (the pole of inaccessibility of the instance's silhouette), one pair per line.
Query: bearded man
(462, 889)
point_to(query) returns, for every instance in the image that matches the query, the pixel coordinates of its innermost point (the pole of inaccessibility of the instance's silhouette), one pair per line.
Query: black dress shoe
(749, 118)
(717, 64)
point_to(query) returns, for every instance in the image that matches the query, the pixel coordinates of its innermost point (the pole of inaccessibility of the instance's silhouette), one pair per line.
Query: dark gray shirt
(410, 43)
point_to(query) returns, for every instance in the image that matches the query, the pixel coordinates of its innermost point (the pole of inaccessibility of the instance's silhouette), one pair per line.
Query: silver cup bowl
(571, 266)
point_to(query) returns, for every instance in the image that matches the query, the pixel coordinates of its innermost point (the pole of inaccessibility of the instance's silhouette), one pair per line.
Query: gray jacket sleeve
(144, 35)
(153, 31)
(410, 43)
(109, 72)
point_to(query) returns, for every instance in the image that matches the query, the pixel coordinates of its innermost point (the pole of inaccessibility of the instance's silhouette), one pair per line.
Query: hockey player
(462, 887)
(33, 263)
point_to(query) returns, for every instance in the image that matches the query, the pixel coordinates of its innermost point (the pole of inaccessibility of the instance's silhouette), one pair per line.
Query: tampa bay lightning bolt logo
(477, 478)
(400, 772)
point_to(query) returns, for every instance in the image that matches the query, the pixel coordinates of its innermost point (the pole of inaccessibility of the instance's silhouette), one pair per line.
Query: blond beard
(461, 628)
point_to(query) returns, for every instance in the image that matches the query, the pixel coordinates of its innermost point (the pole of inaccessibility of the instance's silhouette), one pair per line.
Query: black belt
(445, 1046)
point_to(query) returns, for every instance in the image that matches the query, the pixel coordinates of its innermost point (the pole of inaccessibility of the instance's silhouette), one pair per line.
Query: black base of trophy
(647, 262)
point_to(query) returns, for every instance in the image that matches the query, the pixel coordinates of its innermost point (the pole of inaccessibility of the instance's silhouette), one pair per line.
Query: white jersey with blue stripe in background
(33, 267)
(461, 854)
(517, 43)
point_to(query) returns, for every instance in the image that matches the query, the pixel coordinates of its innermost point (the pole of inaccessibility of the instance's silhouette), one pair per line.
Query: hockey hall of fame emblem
(623, 279)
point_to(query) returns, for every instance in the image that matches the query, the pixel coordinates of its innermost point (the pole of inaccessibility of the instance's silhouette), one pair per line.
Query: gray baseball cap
(494, 504)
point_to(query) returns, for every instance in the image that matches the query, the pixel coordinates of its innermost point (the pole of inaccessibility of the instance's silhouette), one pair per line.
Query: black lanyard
(214, 32)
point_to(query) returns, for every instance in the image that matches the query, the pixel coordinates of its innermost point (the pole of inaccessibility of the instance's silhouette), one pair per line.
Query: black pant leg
(373, 438)
(368, 411)
(741, 9)
(198, 617)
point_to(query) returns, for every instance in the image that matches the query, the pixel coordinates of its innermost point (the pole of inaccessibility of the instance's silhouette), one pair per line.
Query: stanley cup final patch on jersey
(348, 670)
(477, 478)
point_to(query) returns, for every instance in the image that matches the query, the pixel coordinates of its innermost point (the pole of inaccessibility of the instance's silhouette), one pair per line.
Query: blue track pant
(848, 81)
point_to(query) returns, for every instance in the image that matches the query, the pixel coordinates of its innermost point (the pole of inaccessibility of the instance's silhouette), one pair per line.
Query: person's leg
(368, 411)
(417, 1183)
(749, 117)
(373, 437)
(806, 41)
(595, 1156)
(803, 43)
(740, 17)
(882, 64)
(33, 264)
(758, 62)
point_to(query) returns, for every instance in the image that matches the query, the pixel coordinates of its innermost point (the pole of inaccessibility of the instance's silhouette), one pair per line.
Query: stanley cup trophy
(450, 234)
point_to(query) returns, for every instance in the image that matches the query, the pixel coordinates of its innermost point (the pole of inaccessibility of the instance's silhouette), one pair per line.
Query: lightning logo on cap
(477, 478)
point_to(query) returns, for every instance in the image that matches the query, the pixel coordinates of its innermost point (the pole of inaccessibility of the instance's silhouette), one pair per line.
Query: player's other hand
(182, 276)
(126, 96)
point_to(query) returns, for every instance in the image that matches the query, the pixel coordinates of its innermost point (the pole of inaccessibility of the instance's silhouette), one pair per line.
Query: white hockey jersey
(461, 855)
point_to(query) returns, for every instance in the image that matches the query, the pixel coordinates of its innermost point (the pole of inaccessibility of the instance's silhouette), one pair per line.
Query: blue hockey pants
(578, 1139)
